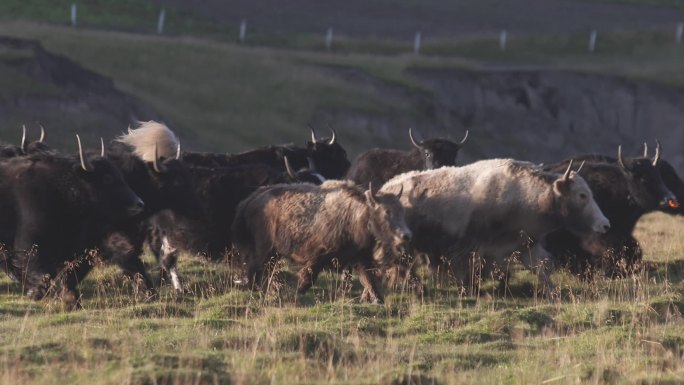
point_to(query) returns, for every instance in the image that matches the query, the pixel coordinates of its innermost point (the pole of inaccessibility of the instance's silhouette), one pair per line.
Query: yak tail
(148, 134)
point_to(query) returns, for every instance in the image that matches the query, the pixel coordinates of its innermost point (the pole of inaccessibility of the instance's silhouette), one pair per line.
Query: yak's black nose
(406, 237)
(136, 208)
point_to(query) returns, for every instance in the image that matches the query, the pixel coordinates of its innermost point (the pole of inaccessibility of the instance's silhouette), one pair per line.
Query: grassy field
(619, 331)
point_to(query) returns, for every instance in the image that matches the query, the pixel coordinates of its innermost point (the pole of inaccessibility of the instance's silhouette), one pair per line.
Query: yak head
(438, 153)
(329, 156)
(387, 221)
(173, 186)
(644, 181)
(576, 206)
(109, 190)
(674, 183)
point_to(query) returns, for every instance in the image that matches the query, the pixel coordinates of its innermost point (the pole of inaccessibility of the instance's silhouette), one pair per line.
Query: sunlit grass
(607, 331)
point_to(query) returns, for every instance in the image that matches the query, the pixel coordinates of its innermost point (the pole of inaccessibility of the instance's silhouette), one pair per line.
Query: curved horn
(155, 165)
(656, 158)
(401, 190)
(288, 168)
(413, 140)
(312, 164)
(84, 162)
(621, 160)
(42, 133)
(371, 195)
(580, 167)
(102, 148)
(178, 152)
(313, 133)
(645, 150)
(464, 138)
(567, 172)
(23, 138)
(334, 135)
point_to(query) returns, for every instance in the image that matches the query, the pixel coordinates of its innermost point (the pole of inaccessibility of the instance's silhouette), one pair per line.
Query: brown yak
(312, 225)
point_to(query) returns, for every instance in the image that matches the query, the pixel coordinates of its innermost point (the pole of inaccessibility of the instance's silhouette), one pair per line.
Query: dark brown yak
(312, 225)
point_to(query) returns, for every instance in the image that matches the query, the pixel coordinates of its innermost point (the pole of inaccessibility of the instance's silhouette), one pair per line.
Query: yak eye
(108, 179)
(583, 196)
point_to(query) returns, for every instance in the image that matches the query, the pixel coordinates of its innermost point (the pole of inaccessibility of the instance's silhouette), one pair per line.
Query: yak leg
(135, 269)
(71, 276)
(540, 261)
(308, 274)
(256, 263)
(168, 263)
(370, 287)
(125, 250)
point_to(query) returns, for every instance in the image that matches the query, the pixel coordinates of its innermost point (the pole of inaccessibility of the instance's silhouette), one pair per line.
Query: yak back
(377, 166)
(305, 220)
(485, 202)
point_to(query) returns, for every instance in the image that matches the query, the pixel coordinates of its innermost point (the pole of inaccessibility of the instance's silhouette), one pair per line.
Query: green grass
(619, 331)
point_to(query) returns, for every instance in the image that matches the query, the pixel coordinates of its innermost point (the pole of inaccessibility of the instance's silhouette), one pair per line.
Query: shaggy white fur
(146, 135)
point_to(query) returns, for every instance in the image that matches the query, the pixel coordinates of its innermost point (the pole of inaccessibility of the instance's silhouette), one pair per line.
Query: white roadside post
(160, 22)
(73, 15)
(592, 41)
(503, 40)
(416, 43)
(243, 30)
(329, 39)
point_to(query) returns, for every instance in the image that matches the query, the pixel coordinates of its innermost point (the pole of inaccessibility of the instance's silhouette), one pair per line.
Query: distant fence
(327, 39)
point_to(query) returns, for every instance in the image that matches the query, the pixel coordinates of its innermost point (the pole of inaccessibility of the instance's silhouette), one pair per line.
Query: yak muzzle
(669, 203)
(137, 207)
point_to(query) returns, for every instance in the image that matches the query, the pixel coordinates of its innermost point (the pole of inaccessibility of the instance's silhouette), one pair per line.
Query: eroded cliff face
(547, 115)
(531, 114)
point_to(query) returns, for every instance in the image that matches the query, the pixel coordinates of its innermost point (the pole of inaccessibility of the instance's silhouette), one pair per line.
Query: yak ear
(561, 186)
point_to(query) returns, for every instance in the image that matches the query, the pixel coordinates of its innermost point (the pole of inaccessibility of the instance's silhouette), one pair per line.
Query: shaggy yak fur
(313, 226)
(494, 208)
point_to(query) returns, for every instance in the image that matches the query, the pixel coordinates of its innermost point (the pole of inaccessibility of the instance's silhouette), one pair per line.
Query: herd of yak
(386, 215)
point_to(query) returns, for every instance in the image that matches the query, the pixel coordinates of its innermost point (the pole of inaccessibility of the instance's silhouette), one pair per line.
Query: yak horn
(621, 160)
(102, 148)
(464, 138)
(580, 167)
(178, 151)
(656, 158)
(155, 165)
(23, 138)
(288, 168)
(567, 172)
(313, 134)
(334, 135)
(413, 140)
(645, 150)
(42, 134)
(85, 165)
(401, 190)
(371, 195)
